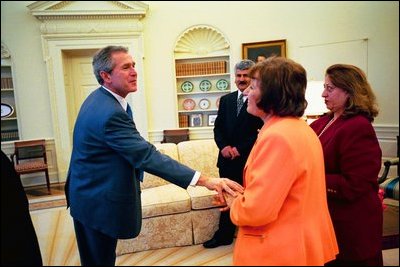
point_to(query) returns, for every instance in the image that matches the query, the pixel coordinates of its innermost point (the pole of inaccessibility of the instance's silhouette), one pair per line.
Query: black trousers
(226, 230)
(95, 248)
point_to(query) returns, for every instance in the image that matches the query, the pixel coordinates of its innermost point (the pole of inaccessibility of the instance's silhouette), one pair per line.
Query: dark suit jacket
(19, 243)
(352, 163)
(108, 158)
(237, 131)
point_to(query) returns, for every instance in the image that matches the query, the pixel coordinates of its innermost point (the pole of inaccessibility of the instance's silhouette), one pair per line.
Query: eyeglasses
(329, 88)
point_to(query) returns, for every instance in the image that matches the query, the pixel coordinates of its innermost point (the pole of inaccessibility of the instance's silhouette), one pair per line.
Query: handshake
(227, 190)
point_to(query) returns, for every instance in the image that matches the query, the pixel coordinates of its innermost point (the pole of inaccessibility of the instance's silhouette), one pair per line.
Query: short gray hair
(245, 64)
(102, 60)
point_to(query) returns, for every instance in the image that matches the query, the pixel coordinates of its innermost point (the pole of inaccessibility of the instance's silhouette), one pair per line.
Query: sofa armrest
(388, 163)
(201, 197)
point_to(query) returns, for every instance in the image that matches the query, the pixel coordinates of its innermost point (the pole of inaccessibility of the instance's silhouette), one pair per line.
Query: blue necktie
(129, 111)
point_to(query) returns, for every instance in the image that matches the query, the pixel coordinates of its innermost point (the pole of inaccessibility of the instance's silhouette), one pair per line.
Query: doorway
(79, 82)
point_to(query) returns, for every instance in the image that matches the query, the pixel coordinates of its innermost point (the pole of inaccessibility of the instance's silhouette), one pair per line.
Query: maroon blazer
(352, 163)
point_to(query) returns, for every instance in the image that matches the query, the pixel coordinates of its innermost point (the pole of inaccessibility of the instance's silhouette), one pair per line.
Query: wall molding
(53, 10)
(387, 139)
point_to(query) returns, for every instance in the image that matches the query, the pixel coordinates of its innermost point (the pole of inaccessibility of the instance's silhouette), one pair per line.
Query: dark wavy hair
(283, 85)
(353, 80)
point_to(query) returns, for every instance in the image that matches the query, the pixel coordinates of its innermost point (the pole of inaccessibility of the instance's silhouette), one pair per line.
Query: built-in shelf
(9, 120)
(202, 75)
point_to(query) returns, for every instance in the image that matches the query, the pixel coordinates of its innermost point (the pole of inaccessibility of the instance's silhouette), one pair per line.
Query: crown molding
(78, 17)
(78, 10)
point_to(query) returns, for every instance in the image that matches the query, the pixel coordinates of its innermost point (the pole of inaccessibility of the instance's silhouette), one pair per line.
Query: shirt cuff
(195, 178)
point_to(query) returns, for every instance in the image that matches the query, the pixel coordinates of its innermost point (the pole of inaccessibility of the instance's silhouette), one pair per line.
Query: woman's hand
(228, 200)
(222, 186)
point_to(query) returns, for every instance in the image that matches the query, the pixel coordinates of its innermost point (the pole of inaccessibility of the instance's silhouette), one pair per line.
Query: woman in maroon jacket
(352, 162)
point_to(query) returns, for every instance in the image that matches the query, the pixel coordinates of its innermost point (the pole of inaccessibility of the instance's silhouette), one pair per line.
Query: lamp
(316, 105)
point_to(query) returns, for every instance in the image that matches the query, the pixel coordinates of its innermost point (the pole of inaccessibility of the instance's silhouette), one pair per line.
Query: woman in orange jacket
(282, 215)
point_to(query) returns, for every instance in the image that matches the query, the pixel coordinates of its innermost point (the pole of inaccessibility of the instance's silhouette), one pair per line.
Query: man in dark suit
(108, 160)
(19, 243)
(235, 132)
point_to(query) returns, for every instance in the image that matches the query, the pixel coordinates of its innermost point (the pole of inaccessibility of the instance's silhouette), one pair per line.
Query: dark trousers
(95, 248)
(226, 230)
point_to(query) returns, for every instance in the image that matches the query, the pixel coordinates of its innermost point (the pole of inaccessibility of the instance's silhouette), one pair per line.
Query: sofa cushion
(150, 180)
(391, 188)
(201, 197)
(200, 155)
(164, 200)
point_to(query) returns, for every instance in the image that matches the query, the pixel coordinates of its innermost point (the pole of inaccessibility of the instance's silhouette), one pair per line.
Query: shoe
(213, 243)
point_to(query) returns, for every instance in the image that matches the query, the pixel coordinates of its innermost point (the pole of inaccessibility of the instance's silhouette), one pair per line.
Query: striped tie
(239, 104)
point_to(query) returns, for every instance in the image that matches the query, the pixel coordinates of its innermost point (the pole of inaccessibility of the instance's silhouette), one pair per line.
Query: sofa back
(200, 155)
(150, 180)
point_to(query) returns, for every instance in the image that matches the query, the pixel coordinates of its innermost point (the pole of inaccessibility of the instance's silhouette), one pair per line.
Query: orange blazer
(283, 216)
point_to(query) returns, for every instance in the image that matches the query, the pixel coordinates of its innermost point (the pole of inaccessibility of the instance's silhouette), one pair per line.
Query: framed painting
(196, 120)
(262, 50)
(211, 119)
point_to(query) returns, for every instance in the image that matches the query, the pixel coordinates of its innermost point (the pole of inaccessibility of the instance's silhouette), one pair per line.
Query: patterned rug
(40, 198)
(391, 227)
(47, 202)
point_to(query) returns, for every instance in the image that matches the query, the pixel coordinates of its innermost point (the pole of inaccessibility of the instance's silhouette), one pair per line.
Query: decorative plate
(217, 102)
(189, 104)
(222, 84)
(204, 103)
(6, 110)
(205, 85)
(187, 87)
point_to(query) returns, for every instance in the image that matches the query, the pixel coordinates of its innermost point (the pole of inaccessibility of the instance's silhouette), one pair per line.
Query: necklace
(326, 126)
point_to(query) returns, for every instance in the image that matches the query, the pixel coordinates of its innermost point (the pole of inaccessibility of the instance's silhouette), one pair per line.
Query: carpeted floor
(391, 224)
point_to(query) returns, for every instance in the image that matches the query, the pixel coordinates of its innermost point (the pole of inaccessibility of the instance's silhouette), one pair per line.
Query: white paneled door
(79, 82)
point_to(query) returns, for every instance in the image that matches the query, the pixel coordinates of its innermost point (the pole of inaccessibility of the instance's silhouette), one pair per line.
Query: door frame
(53, 47)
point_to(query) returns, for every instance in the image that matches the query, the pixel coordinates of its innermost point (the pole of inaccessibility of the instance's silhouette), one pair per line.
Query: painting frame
(211, 119)
(196, 120)
(267, 48)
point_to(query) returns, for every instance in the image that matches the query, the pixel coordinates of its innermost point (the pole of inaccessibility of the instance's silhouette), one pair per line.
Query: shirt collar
(120, 99)
(239, 94)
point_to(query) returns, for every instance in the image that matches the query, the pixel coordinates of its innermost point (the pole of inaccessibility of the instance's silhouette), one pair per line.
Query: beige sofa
(173, 216)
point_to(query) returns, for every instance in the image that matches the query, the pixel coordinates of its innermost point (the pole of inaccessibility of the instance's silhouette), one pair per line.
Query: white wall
(21, 34)
(300, 23)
